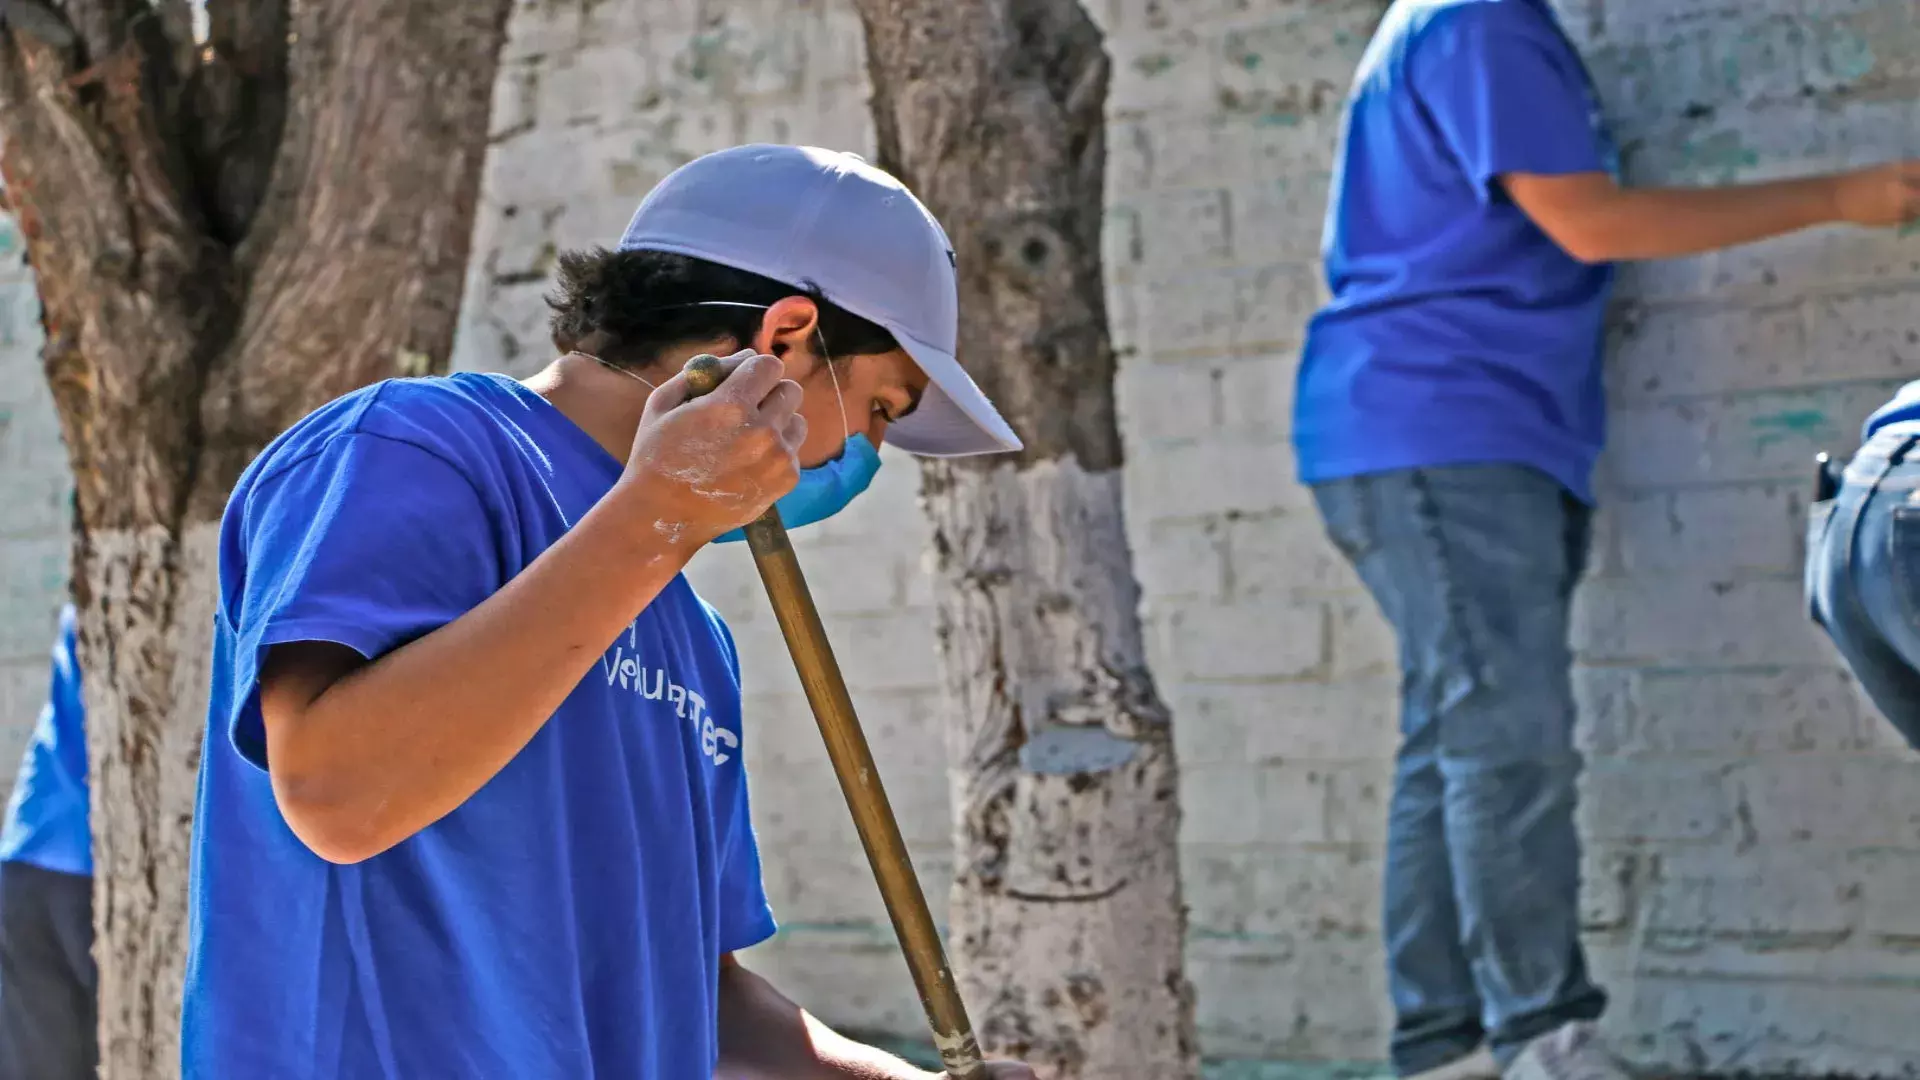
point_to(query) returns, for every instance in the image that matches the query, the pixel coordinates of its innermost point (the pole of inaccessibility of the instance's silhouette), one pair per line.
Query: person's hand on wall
(1879, 197)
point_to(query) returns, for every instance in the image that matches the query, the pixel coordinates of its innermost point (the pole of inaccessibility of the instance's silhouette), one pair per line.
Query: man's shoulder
(1902, 408)
(1447, 36)
(1449, 23)
(436, 409)
(448, 417)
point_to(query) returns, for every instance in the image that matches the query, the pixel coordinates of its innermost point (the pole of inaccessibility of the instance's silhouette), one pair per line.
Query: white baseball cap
(827, 220)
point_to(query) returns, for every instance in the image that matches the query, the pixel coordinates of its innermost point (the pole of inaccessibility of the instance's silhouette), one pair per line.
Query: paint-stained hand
(704, 466)
(1882, 196)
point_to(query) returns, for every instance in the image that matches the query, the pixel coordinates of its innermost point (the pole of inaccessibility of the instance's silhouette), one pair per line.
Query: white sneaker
(1478, 1065)
(1570, 1052)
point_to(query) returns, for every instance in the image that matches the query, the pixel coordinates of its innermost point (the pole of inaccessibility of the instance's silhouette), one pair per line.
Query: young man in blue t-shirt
(1448, 415)
(48, 981)
(473, 804)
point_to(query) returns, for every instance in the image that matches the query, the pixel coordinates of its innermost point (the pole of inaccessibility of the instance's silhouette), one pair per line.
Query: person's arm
(1507, 94)
(365, 753)
(764, 1036)
(1596, 220)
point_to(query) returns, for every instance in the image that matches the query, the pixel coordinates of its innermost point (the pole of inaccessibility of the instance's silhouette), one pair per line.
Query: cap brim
(954, 419)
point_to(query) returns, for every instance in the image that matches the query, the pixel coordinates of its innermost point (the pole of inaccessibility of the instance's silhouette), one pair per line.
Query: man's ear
(789, 326)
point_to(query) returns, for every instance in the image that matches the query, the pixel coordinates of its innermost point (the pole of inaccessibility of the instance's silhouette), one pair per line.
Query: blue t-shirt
(1458, 331)
(568, 919)
(47, 815)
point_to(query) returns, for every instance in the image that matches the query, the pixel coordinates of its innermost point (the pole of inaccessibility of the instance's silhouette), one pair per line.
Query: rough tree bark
(1068, 923)
(226, 233)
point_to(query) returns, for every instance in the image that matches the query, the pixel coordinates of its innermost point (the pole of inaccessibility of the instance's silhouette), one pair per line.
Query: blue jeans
(1863, 574)
(1475, 567)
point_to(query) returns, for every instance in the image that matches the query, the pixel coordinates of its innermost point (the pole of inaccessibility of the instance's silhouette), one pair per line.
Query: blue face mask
(825, 489)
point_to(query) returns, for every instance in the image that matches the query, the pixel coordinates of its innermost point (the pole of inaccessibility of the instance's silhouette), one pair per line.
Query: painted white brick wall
(1754, 828)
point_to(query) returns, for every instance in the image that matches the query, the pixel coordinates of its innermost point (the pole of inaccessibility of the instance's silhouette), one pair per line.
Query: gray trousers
(48, 1011)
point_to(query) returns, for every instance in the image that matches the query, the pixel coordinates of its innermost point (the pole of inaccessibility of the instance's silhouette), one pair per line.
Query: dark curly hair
(630, 307)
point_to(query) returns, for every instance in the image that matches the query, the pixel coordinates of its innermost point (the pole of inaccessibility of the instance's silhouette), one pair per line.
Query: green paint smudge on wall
(1721, 154)
(1806, 424)
(1152, 64)
(1850, 55)
(705, 52)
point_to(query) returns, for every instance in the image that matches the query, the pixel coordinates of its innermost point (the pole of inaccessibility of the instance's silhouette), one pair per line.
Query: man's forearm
(1661, 223)
(363, 759)
(1596, 221)
(764, 1036)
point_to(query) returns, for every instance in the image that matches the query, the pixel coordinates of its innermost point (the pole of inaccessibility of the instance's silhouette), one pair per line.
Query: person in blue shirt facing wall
(48, 983)
(473, 802)
(1448, 414)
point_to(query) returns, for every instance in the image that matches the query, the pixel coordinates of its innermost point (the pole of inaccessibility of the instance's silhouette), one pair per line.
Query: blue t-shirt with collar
(567, 921)
(1458, 332)
(46, 822)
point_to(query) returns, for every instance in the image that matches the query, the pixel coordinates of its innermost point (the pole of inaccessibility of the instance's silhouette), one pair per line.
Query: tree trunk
(226, 233)
(1068, 923)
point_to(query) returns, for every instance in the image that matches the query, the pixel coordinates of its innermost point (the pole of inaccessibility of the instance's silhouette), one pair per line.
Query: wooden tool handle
(853, 764)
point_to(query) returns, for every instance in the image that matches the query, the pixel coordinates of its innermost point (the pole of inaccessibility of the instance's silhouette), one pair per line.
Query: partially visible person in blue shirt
(1863, 550)
(473, 801)
(1449, 412)
(48, 983)
(1458, 331)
